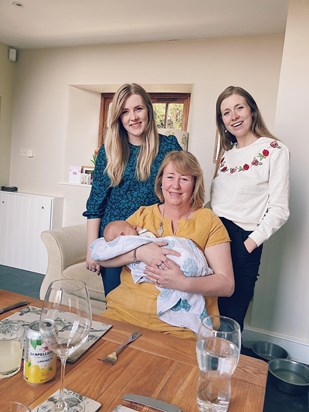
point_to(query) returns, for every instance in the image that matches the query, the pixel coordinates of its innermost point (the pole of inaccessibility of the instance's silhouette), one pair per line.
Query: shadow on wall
(267, 295)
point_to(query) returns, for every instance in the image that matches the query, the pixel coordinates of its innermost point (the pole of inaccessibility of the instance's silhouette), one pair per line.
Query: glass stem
(60, 406)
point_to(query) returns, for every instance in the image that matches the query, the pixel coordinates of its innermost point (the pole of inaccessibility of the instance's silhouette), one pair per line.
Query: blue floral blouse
(120, 202)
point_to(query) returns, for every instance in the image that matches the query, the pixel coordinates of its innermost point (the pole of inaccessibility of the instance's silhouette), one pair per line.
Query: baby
(173, 306)
(123, 228)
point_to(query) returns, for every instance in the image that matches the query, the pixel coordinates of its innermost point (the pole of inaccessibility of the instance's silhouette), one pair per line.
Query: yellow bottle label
(40, 363)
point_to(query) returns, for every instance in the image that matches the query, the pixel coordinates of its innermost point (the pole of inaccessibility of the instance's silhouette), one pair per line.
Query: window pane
(175, 116)
(160, 114)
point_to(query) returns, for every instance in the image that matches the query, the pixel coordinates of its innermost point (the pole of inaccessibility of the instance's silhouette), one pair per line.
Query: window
(106, 99)
(171, 111)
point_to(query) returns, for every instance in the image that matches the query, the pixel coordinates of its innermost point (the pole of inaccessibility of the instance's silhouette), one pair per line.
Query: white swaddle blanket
(173, 306)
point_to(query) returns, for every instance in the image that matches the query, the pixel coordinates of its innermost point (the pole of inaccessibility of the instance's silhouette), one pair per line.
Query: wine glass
(65, 323)
(218, 350)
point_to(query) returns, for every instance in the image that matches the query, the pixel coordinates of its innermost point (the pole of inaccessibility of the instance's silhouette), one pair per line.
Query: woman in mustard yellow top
(180, 188)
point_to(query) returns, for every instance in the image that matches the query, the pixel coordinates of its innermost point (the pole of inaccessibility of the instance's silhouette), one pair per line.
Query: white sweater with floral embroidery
(251, 187)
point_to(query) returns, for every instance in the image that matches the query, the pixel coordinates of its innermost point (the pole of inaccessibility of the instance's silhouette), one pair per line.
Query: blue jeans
(110, 278)
(246, 266)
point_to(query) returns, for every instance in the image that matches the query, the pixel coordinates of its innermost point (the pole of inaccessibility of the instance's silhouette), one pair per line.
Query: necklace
(160, 229)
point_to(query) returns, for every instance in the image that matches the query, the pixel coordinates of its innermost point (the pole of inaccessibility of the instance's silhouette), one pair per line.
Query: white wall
(7, 71)
(281, 302)
(59, 123)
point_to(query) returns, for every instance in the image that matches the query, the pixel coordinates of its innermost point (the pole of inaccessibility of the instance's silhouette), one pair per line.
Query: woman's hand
(166, 275)
(154, 253)
(250, 245)
(91, 264)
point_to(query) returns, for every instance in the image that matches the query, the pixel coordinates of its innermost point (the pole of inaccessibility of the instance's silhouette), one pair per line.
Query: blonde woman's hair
(187, 164)
(258, 126)
(116, 141)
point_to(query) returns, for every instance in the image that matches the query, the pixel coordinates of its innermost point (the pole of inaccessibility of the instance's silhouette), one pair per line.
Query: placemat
(90, 404)
(31, 314)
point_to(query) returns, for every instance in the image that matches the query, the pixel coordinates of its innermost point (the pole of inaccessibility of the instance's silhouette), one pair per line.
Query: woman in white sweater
(250, 190)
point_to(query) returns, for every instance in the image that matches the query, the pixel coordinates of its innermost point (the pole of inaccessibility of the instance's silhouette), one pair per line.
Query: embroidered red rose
(258, 160)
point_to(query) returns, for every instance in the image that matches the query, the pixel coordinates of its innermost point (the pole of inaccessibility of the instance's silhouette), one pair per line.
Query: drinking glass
(16, 407)
(11, 349)
(218, 349)
(65, 323)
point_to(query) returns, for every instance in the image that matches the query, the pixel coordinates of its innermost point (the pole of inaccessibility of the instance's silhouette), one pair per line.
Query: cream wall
(7, 71)
(281, 302)
(59, 121)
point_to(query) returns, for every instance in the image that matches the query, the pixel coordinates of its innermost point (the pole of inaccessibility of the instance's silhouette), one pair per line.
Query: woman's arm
(220, 283)
(153, 253)
(93, 226)
(277, 212)
(94, 208)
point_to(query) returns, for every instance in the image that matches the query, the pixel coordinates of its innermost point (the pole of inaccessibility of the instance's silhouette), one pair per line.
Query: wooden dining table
(156, 365)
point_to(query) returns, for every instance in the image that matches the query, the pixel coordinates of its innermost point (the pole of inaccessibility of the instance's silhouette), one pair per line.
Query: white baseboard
(298, 351)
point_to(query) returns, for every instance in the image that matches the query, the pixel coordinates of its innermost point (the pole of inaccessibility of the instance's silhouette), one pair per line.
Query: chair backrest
(181, 135)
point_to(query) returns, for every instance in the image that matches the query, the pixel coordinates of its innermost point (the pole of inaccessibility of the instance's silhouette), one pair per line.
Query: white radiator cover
(23, 216)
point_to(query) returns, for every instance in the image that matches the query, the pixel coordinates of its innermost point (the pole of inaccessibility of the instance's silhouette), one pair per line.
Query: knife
(153, 403)
(15, 305)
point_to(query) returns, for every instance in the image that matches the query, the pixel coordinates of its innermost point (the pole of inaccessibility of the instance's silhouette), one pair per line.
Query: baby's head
(118, 228)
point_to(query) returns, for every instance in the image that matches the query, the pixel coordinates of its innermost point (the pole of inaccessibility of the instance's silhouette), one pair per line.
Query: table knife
(13, 306)
(153, 403)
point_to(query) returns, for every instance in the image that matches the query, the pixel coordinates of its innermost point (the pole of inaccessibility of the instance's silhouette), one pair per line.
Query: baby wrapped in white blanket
(173, 306)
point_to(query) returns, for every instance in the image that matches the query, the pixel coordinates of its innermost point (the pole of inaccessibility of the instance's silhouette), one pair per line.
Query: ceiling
(52, 23)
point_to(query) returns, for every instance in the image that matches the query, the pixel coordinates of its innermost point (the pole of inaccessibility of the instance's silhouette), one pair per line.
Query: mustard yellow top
(136, 303)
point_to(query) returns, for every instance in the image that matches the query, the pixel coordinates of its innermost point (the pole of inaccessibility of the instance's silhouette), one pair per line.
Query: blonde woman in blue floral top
(125, 169)
(250, 190)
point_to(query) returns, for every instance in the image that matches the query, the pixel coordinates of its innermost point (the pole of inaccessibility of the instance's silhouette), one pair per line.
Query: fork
(112, 357)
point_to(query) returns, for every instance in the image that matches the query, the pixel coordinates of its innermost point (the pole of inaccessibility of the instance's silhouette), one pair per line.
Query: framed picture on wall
(87, 174)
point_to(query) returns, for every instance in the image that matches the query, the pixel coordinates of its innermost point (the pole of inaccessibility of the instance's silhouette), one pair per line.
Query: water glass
(11, 349)
(218, 349)
(16, 407)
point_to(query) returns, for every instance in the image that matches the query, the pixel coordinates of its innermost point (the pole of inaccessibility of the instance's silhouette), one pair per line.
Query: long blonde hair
(187, 164)
(116, 141)
(227, 139)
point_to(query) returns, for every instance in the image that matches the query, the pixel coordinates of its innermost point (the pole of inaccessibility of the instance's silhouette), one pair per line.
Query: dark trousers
(110, 278)
(246, 267)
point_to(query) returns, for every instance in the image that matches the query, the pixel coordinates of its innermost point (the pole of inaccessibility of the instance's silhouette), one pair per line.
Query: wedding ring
(157, 282)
